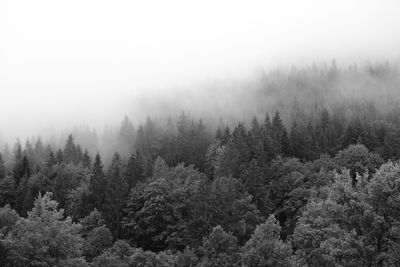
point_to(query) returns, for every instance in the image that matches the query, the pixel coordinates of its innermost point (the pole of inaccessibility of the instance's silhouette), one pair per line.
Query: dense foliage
(319, 188)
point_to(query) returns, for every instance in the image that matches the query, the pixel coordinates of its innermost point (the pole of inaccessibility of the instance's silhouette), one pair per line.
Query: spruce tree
(86, 160)
(69, 152)
(2, 168)
(116, 193)
(17, 172)
(131, 173)
(97, 184)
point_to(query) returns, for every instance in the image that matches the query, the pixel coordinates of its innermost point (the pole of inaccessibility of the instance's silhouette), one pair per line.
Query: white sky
(73, 61)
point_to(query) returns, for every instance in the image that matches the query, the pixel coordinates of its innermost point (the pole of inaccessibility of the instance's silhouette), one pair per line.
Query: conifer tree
(69, 152)
(116, 193)
(2, 168)
(17, 172)
(131, 173)
(59, 156)
(97, 184)
(279, 135)
(86, 160)
(126, 140)
(51, 159)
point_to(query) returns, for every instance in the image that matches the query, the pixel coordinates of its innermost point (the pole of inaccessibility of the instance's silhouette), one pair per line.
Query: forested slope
(306, 175)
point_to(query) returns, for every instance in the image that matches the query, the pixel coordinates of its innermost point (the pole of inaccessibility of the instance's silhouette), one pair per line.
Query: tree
(116, 256)
(69, 153)
(187, 258)
(96, 234)
(289, 186)
(39, 152)
(256, 184)
(68, 177)
(86, 160)
(21, 165)
(8, 218)
(256, 140)
(97, 184)
(132, 173)
(230, 206)
(44, 238)
(115, 195)
(299, 145)
(265, 248)
(2, 168)
(358, 160)
(220, 249)
(22, 188)
(17, 172)
(354, 225)
(151, 259)
(51, 159)
(240, 141)
(121, 255)
(383, 193)
(319, 238)
(227, 161)
(59, 156)
(269, 150)
(279, 135)
(159, 213)
(353, 133)
(7, 191)
(126, 140)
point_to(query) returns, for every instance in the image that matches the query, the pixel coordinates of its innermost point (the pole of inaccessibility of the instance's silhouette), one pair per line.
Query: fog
(66, 63)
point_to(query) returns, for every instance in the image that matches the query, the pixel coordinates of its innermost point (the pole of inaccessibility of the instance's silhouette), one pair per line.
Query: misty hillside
(199, 133)
(290, 168)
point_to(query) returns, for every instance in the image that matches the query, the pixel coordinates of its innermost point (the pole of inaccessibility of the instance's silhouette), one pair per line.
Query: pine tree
(97, 184)
(267, 123)
(116, 193)
(51, 160)
(131, 173)
(28, 151)
(240, 142)
(353, 132)
(269, 150)
(126, 137)
(168, 143)
(17, 171)
(256, 140)
(78, 155)
(69, 153)
(60, 156)
(298, 142)
(39, 151)
(2, 168)
(279, 135)
(86, 160)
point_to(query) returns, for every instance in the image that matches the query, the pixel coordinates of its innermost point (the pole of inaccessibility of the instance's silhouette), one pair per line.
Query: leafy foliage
(44, 237)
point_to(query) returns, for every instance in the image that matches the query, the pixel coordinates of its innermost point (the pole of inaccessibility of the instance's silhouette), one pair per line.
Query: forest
(299, 169)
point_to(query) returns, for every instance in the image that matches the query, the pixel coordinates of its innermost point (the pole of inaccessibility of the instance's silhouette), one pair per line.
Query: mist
(65, 64)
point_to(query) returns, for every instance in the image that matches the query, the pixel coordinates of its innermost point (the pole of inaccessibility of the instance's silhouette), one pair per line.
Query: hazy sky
(66, 62)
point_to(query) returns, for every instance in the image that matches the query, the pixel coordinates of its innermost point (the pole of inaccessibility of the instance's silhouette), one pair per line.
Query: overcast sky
(74, 61)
